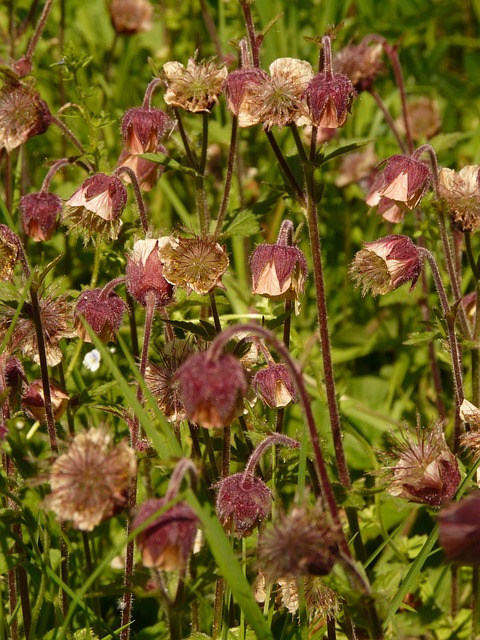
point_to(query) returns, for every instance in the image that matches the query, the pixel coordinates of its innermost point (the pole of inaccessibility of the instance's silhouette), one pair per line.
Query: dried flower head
(195, 87)
(275, 99)
(461, 191)
(33, 400)
(274, 385)
(168, 540)
(160, 379)
(55, 314)
(23, 114)
(90, 482)
(403, 180)
(386, 264)
(9, 252)
(103, 309)
(197, 264)
(131, 16)
(212, 389)
(299, 543)
(459, 530)
(145, 273)
(360, 62)
(321, 602)
(426, 470)
(243, 502)
(96, 207)
(329, 97)
(39, 212)
(278, 272)
(423, 117)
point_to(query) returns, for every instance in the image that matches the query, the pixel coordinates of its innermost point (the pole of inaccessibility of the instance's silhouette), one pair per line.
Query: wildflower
(299, 543)
(361, 63)
(426, 471)
(321, 601)
(423, 117)
(278, 272)
(403, 180)
(13, 373)
(197, 264)
(386, 264)
(9, 252)
(274, 385)
(243, 502)
(92, 360)
(23, 114)
(56, 324)
(131, 16)
(459, 530)
(143, 129)
(96, 206)
(470, 413)
(90, 482)
(470, 440)
(39, 212)
(168, 540)
(103, 309)
(160, 379)
(241, 88)
(195, 87)
(145, 273)
(212, 389)
(461, 192)
(146, 171)
(329, 97)
(33, 400)
(273, 100)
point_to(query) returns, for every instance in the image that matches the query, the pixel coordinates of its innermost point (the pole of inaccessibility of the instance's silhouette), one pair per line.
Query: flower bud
(145, 273)
(361, 63)
(167, 542)
(243, 502)
(212, 389)
(274, 385)
(40, 213)
(131, 16)
(459, 530)
(33, 401)
(103, 312)
(386, 264)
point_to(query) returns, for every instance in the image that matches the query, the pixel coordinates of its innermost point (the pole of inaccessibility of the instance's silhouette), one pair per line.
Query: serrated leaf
(243, 223)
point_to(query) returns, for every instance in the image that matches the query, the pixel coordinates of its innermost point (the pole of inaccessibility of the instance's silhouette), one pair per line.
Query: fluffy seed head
(461, 192)
(103, 311)
(195, 87)
(361, 63)
(9, 252)
(23, 114)
(131, 16)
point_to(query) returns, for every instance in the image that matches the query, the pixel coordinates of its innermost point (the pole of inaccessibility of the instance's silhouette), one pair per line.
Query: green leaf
(348, 148)
(241, 223)
(169, 163)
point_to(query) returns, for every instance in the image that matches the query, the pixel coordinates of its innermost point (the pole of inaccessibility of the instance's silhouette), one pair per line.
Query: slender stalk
(286, 169)
(147, 99)
(228, 178)
(270, 441)
(253, 38)
(390, 121)
(138, 196)
(73, 138)
(52, 171)
(38, 31)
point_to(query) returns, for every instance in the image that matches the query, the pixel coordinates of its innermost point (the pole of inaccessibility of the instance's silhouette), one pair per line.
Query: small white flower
(92, 360)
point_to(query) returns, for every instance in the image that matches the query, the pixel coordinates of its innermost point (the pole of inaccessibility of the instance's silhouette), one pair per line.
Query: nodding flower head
(243, 502)
(404, 180)
(40, 212)
(459, 530)
(33, 400)
(143, 129)
(145, 273)
(131, 16)
(102, 310)
(360, 62)
(274, 385)
(96, 207)
(386, 264)
(329, 97)
(167, 542)
(212, 389)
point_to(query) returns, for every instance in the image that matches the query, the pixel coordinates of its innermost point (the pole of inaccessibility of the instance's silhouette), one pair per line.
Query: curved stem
(66, 131)
(138, 195)
(52, 171)
(390, 121)
(270, 441)
(38, 31)
(147, 99)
